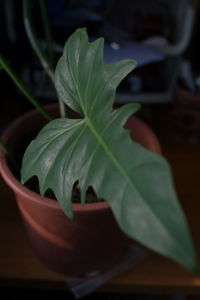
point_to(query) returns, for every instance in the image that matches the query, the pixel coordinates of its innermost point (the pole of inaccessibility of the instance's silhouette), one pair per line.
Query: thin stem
(36, 46)
(9, 154)
(47, 30)
(23, 89)
(33, 40)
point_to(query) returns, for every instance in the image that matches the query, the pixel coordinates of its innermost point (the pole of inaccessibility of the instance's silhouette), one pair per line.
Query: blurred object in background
(164, 25)
(184, 118)
(179, 122)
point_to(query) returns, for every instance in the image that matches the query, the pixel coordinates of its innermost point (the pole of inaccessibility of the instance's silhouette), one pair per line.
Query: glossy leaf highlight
(97, 151)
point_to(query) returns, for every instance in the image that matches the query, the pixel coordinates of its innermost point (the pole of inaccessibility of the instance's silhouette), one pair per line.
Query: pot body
(79, 248)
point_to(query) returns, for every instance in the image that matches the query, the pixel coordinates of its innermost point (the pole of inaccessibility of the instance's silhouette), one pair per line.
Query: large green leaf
(98, 152)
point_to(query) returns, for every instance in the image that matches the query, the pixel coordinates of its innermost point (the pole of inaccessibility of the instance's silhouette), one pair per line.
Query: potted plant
(94, 156)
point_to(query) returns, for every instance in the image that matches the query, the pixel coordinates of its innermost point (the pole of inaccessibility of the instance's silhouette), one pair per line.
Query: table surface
(19, 266)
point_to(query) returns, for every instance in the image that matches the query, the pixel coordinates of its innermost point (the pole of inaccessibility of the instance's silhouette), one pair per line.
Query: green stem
(47, 30)
(23, 89)
(36, 46)
(9, 154)
(33, 40)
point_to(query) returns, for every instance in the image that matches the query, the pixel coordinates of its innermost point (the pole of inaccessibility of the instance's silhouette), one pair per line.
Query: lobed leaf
(96, 151)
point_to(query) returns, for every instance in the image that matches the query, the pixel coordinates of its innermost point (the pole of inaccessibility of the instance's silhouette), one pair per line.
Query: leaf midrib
(104, 145)
(119, 167)
(107, 150)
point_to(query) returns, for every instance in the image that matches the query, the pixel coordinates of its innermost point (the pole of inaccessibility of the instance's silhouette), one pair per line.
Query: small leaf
(98, 152)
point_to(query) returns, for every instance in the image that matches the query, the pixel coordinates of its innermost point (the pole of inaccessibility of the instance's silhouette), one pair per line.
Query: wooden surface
(20, 268)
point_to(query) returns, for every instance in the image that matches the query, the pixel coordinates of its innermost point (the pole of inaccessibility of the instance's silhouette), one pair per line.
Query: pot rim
(17, 187)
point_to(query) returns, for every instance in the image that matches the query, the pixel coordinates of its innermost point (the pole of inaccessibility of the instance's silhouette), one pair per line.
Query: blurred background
(161, 35)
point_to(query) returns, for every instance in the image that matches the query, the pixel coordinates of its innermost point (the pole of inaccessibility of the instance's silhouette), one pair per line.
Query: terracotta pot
(92, 242)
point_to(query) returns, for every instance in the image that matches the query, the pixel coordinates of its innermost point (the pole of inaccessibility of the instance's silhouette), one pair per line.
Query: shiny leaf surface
(96, 151)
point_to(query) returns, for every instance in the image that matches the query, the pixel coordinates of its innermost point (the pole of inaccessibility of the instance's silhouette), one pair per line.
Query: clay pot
(89, 244)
